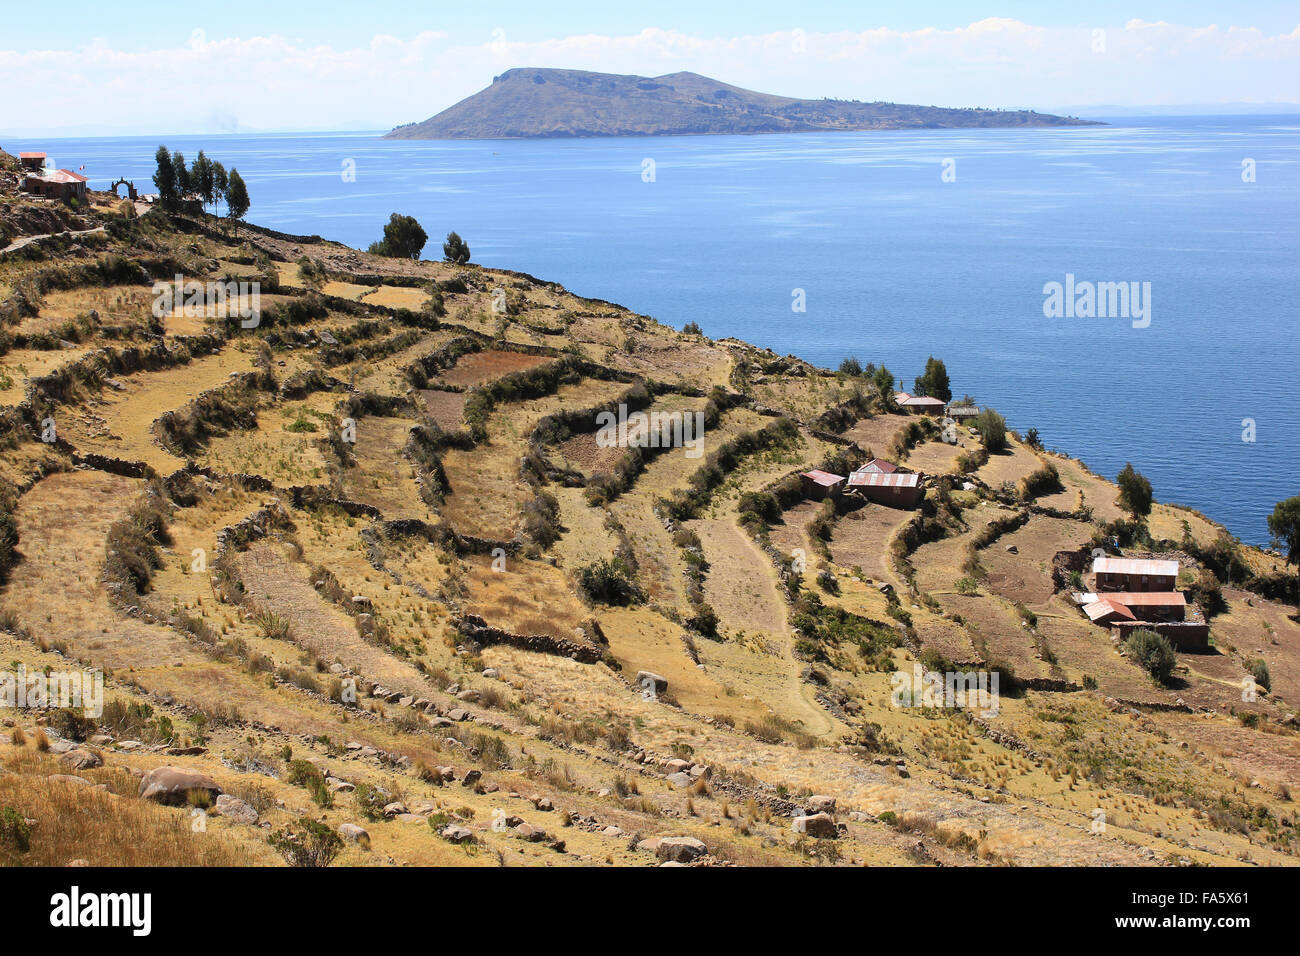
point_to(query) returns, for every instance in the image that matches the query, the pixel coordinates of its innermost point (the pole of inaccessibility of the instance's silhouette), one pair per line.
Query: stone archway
(130, 188)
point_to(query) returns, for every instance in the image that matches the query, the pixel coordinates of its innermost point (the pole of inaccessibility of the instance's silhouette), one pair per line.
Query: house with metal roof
(922, 404)
(62, 184)
(878, 466)
(32, 162)
(1130, 574)
(1107, 612)
(897, 489)
(820, 484)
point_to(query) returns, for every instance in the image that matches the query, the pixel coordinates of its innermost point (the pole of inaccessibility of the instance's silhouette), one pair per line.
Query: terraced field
(450, 609)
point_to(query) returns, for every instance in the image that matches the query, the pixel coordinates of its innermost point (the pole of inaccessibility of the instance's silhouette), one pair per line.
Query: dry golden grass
(552, 726)
(108, 828)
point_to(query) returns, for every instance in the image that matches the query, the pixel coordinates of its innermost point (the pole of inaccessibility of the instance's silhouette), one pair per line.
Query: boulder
(680, 849)
(820, 803)
(69, 778)
(471, 777)
(174, 786)
(529, 832)
(457, 834)
(351, 833)
(645, 679)
(81, 759)
(680, 780)
(819, 825)
(677, 766)
(394, 809)
(234, 809)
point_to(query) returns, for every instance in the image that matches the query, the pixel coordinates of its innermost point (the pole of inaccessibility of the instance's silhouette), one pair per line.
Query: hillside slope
(370, 565)
(531, 102)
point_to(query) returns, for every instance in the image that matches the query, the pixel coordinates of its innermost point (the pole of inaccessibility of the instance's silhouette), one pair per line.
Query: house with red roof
(62, 184)
(819, 485)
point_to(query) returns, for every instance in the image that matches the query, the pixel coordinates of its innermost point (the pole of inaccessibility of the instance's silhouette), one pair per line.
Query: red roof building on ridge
(877, 465)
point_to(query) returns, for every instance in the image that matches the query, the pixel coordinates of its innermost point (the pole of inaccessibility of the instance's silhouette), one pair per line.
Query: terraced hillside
(373, 564)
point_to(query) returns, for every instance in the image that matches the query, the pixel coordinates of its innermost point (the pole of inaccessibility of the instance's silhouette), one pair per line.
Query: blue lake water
(895, 263)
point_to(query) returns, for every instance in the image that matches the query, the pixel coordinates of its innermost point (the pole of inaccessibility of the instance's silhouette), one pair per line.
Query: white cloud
(272, 82)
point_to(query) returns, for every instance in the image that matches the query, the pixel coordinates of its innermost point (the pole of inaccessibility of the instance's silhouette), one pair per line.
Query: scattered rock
(680, 849)
(234, 809)
(644, 679)
(351, 833)
(457, 834)
(819, 825)
(820, 803)
(81, 759)
(69, 778)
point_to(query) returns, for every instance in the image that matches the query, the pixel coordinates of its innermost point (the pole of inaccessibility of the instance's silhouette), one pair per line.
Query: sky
(149, 67)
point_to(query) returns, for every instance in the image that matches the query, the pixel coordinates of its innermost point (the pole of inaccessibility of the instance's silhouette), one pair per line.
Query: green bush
(303, 774)
(308, 843)
(15, 834)
(609, 582)
(1153, 653)
(1259, 671)
(993, 431)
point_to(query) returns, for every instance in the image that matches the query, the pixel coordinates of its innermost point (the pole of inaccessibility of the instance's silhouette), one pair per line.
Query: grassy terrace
(242, 648)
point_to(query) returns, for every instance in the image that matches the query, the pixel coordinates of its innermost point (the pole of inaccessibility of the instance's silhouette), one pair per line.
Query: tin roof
(903, 398)
(878, 465)
(874, 479)
(1147, 598)
(823, 477)
(1134, 566)
(1099, 609)
(61, 176)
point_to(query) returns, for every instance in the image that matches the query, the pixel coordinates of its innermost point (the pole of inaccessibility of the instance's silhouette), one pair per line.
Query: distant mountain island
(528, 103)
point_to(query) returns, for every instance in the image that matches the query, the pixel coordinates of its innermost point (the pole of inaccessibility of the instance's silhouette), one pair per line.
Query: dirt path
(28, 240)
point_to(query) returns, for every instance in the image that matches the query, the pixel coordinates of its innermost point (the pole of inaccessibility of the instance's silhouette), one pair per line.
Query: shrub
(308, 843)
(705, 621)
(1153, 653)
(993, 431)
(303, 774)
(71, 724)
(542, 519)
(15, 834)
(1259, 671)
(609, 582)
(371, 801)
(131, 548)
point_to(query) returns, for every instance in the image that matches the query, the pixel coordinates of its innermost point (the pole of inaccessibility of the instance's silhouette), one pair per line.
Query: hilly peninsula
(528, 103)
